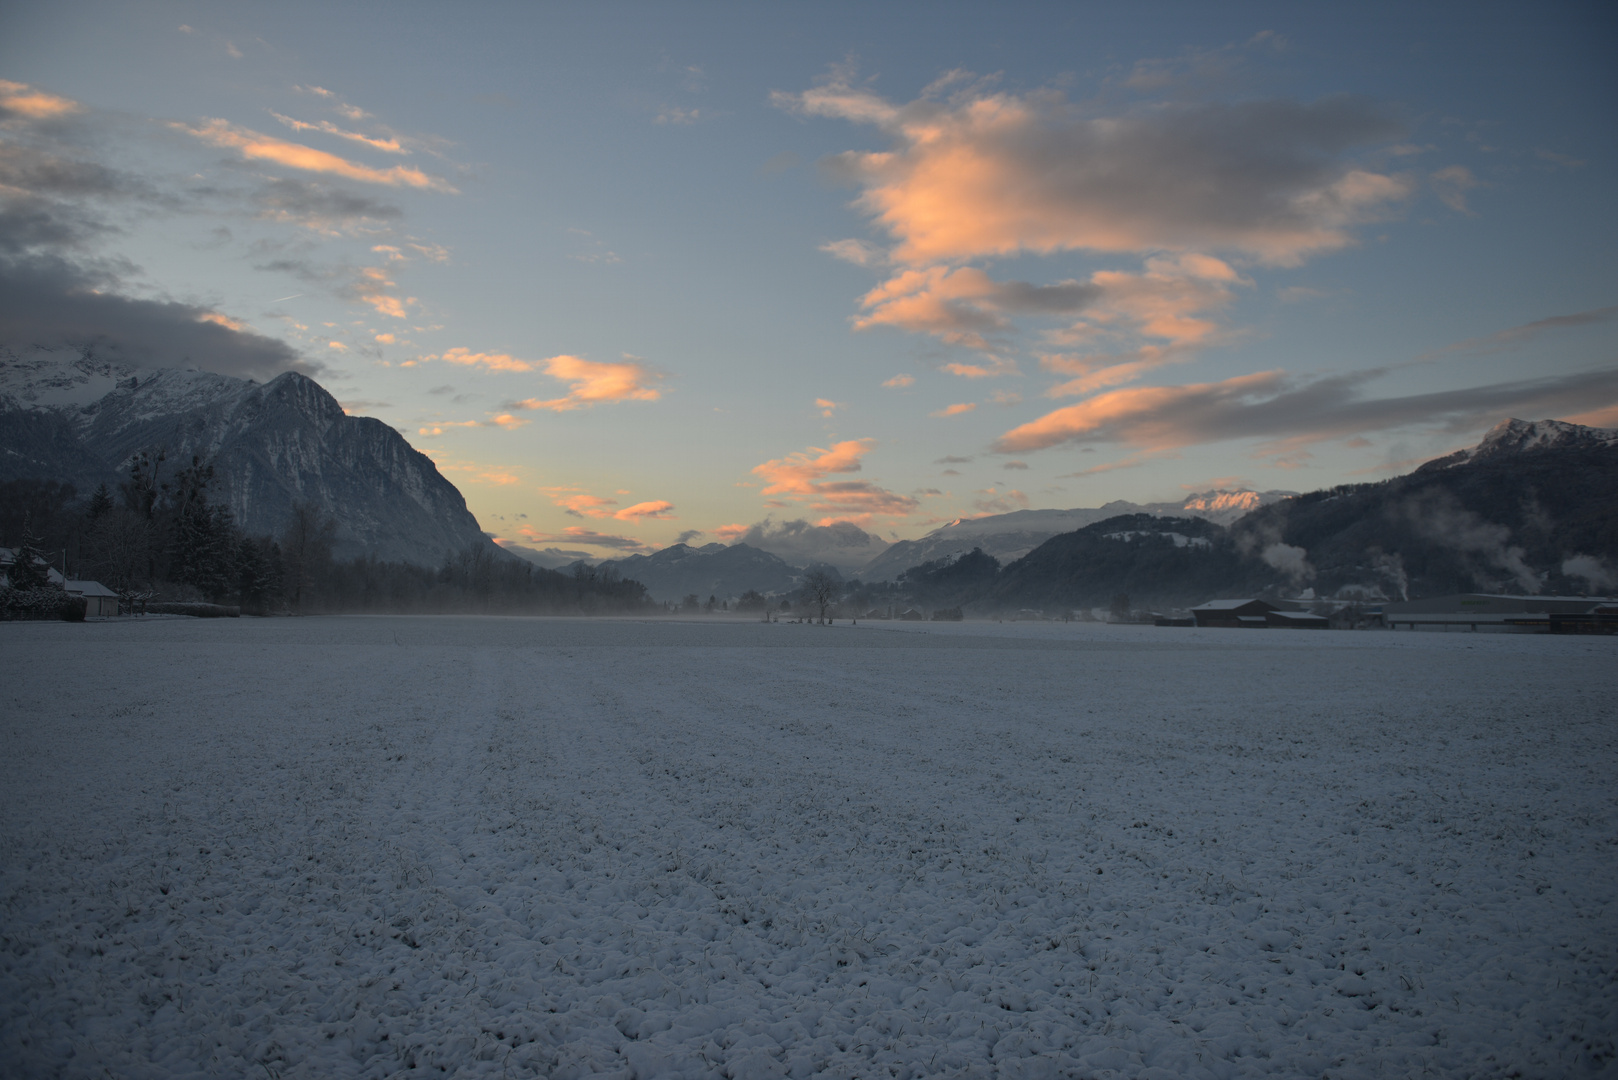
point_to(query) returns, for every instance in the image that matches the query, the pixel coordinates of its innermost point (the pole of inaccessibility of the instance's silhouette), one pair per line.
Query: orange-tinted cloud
(594, 383)
(387, 145)
(984, 174)
(371, 288)
(955, 410)
(24, 102)
(489, 361)
(961, 305)
(254, 146)
(900, 381)
(659, 509)
(731, 532)
(582, 505)
(802, 476)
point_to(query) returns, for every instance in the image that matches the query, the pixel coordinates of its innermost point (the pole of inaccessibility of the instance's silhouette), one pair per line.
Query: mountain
(1512, 437)
(1160, 562)
(1008, 537)
(1532, 508)
(841, 544)
(271, 444)
(710, 570)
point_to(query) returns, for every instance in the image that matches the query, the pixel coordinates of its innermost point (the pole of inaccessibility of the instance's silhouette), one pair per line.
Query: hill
(1007, 537)
(1532, 508)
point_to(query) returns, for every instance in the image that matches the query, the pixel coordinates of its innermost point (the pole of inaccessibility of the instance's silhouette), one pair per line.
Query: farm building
(1499, 613)
(1249, 613)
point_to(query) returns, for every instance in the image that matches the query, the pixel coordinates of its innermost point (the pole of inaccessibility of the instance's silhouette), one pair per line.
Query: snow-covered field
(527, 847)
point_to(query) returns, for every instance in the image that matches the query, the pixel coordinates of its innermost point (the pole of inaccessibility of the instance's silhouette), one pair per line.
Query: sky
(639, 273)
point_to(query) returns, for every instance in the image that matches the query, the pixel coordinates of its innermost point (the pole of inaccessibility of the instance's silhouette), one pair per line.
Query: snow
(1180, 540)
(348, 847)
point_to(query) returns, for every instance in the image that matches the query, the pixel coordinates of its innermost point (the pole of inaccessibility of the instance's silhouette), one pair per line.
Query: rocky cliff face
(271, 444)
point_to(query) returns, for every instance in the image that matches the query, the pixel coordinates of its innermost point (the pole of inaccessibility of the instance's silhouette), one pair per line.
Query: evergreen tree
(28, 569)
(100, 504)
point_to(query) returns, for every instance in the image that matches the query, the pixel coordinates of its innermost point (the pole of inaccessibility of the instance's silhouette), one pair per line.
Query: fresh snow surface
(349, 847)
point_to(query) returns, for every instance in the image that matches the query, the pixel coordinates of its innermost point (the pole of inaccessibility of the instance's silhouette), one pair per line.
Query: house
(98, 599)
(9, 556)
(1249, 613)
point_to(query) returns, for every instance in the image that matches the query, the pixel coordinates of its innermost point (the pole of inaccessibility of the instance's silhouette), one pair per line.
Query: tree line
(161, 538)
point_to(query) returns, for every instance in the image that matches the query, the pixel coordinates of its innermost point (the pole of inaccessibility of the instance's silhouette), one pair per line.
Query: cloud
(505, 421)
(577, 534)
(858, 252)
(661, 509)
(594, 383)
(678, 115)
(731, 532)
(953, 460)
(47, 301)
(387, 145)
(19, 101)
(1517, 335)
(900, 381)
(1274, 405)
(994, 174)
(827, 407)
(1133, 461)
(802, 476)
(955, 410)
(488, 361)
(370, 287)
(841, 543)
(254, 146)
(688, 535)
(582, 505)
(1000, 502)
(959, 306)
(316, 206)
(1015, 465)
(1451, 185)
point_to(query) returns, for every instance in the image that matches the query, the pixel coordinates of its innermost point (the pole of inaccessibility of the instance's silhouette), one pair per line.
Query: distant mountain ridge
(1533, 508)
(717, 570)
(270, 443)
(1009, 537)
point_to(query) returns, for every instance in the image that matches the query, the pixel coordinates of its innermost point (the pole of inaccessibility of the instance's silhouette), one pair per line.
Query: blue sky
(632, 272)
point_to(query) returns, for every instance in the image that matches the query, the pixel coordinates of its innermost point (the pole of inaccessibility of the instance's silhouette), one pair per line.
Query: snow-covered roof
(1225, 605)
(87, 588)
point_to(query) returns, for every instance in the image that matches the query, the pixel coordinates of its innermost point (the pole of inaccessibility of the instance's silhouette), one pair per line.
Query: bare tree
(821, 588)
(305, 549)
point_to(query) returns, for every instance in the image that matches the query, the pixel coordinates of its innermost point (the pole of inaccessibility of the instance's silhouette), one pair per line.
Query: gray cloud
(1273, 405)
(47, 301)
(1517, 335)
(310, 203)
